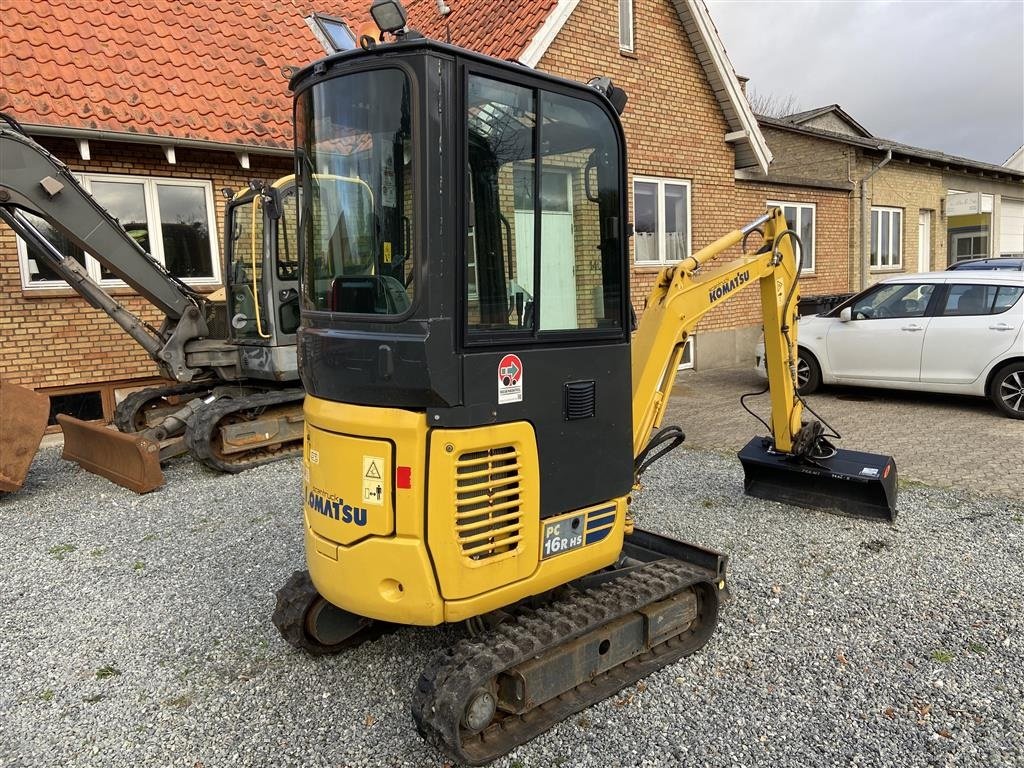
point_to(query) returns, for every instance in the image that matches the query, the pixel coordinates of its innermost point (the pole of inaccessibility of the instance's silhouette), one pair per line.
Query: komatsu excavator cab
(463, 227)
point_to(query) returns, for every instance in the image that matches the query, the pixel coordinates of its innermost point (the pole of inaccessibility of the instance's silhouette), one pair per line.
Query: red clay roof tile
(201, 69)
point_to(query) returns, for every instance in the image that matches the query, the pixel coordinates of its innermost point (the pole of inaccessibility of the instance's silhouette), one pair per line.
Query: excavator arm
(795, 464)
(681, 298)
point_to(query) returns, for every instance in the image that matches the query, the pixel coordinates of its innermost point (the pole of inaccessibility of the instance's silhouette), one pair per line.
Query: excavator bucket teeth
(23, 417)
(128, 460)
(850, 482)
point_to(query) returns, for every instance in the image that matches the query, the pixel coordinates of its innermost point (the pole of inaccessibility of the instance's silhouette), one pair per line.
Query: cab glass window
(247, 308)
(287, 242)
(355, 170)
(542, 239)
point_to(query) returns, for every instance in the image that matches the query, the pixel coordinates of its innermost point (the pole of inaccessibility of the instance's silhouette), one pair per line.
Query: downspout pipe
(865, 253)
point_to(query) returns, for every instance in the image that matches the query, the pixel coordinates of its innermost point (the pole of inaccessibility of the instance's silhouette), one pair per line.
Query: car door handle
(912, 328)
(1001, 327)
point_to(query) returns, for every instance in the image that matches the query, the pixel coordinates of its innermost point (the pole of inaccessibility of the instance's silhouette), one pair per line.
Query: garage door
(1011, 228)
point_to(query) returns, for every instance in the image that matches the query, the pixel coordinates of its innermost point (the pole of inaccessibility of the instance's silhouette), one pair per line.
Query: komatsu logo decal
(336, 509)
(728, 286)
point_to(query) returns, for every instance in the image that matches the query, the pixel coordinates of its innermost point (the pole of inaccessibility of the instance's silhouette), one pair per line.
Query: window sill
(884, 270)
(628, 54)
(655, 264)
(112, 290)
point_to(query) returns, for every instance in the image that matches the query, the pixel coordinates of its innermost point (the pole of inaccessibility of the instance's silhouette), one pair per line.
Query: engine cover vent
(580, 400)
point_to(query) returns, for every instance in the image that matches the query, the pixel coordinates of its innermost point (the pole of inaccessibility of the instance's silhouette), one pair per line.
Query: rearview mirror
(845, 315)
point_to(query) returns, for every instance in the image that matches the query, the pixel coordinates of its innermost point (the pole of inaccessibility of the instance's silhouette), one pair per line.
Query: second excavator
(236, 400)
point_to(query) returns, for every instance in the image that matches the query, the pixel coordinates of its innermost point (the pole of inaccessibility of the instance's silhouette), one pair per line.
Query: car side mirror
(845, 315)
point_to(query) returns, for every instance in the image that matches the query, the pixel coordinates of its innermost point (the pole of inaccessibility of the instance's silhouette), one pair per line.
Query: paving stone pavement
(940, 440)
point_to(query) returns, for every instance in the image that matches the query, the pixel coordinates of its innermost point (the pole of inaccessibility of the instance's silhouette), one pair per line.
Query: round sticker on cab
(510, 380)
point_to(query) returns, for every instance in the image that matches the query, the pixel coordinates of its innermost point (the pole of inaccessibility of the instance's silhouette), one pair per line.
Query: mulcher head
(849, 482)
(128, 460)
(23, 417)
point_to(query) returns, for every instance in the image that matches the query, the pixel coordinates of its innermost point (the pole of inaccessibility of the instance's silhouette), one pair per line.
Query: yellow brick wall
(911, 188)
(674, 129)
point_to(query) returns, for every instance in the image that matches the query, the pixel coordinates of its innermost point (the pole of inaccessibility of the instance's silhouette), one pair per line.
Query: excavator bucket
(128, 460)
(850, 482)
(23, 417)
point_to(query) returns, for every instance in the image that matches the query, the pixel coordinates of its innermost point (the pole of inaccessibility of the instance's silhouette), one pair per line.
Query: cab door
(884, 338)
(974, 325)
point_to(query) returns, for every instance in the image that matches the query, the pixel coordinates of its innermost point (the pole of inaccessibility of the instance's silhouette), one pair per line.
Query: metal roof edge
(704, 24)
(126, 137)
(905, 150)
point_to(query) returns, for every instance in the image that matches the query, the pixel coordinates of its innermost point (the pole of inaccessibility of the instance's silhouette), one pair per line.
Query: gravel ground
(136, 631)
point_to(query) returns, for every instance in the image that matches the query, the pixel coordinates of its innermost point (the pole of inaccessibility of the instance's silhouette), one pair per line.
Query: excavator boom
(795, 464)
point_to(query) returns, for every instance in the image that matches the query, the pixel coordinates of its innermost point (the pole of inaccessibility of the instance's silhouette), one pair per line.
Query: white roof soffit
(748, 141)
(548, 31)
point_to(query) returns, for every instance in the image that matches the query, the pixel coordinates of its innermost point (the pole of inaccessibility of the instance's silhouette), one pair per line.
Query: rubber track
(294, 600)
(127, 409)
(445, 687)
(204, 424)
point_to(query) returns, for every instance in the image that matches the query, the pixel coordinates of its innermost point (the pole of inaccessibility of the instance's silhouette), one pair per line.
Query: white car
(957, 332)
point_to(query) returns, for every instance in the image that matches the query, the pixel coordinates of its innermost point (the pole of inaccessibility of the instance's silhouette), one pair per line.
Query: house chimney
(743, 83)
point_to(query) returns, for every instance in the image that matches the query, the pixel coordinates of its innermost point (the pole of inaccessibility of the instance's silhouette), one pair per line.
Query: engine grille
(488, 517)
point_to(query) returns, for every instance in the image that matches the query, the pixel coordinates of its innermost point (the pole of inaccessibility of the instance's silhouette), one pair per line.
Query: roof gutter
(865, 256)
(154, 140)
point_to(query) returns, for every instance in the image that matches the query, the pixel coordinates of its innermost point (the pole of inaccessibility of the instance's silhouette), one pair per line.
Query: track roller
(489, 694)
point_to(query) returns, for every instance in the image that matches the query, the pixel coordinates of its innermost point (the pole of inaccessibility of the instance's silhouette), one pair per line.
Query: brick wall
(910, 188)
(809, 157)
(53, 338)
(674, 129)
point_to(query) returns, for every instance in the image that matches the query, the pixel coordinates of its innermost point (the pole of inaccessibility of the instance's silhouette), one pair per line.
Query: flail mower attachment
(23, 417)
(849, 482)
(128, 460)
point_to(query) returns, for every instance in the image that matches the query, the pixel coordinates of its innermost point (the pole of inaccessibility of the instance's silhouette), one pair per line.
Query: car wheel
(808, 373)
(1007, 390)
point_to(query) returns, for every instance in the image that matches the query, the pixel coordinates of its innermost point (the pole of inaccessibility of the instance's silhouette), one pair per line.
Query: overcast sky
(939, 74)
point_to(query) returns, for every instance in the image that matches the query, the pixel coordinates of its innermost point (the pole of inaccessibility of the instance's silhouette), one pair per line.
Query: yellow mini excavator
(478, 411)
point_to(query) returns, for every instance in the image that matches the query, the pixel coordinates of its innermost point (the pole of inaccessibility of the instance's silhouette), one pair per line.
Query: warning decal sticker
(510, 380)
(373, 480)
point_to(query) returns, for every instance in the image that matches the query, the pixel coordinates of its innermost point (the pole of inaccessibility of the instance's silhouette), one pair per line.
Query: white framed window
(172, 219)
(661, 219)
(969, 245)
(333, 33)
(626, 25)
(886, 238)
(801, 217)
